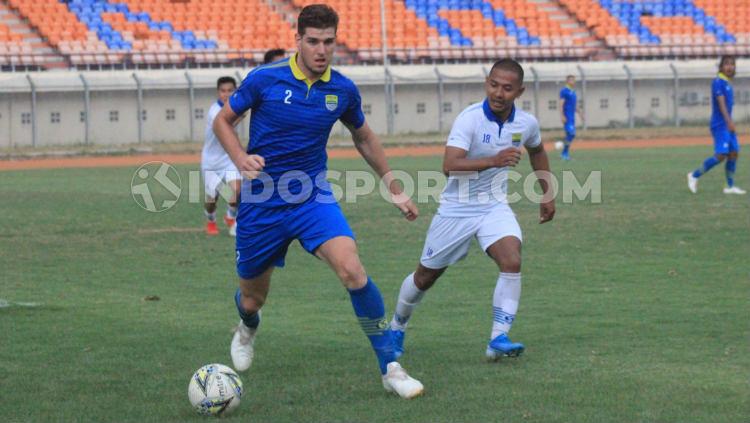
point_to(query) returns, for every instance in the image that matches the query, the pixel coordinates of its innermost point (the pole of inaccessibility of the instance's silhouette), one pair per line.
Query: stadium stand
(669, 28)
(20, 46)
(159, 33)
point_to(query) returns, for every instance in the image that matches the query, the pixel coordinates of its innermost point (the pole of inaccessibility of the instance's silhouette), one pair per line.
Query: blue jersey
(569, 107)
(291, 120)
(720, 87)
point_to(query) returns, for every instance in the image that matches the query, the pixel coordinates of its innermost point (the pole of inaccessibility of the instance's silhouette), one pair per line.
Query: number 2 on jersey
(287, 99)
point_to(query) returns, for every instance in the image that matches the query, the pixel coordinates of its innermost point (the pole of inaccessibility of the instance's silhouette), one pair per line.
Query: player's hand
(407, 207)
(546, 211)
(731, 127)
(250, 165)
(508, 157)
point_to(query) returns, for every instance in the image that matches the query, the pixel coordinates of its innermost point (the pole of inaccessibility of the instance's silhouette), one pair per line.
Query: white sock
(232, 212)
(408, 298)
(210, 216)
(505, 302)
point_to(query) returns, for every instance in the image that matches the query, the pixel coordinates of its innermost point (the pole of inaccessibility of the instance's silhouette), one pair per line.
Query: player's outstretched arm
(540, 164)
(248, 164)
(369, 146)
(455, 160)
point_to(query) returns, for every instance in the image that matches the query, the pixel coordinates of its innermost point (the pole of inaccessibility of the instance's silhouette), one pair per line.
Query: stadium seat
(219, 31)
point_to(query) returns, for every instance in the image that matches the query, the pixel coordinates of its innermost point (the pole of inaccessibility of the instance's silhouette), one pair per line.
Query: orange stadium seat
(672, 28)
(97, 32)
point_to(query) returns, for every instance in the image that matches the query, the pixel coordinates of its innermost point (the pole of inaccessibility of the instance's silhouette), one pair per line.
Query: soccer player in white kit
(217, 167)
(483, 144)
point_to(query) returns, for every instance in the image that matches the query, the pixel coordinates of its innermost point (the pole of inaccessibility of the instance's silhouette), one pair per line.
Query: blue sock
(370, 311)
(730, 167)
(707, 165)
(566, 147)
(251, 320)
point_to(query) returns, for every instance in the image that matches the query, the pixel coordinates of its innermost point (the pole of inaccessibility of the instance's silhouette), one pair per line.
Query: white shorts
(449, 238)
(213, 178)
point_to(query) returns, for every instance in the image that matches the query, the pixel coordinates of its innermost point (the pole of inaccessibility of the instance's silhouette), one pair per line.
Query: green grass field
(633, 310)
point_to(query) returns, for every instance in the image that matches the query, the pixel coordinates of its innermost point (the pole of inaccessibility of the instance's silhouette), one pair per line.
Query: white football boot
(692, 183)
(396, 380)
(734, 190)
(242, 347)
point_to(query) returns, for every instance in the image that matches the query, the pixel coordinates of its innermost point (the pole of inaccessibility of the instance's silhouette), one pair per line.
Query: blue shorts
(725, 142)
(570, 131)
(264, 233)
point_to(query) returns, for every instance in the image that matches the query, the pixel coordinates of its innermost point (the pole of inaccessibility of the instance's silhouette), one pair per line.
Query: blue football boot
(502, 346)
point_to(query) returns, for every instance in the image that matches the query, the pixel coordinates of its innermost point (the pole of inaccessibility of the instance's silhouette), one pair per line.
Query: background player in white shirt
(217, 167)
(483, 144)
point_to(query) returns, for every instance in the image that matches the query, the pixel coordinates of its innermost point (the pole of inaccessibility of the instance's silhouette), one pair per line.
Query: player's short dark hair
(570, 76)
(225, 80)
(318, 16)
(272, 54)
(724, 59)
(509, 65)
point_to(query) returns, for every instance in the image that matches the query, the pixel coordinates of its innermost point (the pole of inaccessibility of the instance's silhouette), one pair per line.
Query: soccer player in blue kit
(726, 145)
(295, 103)
(568, 110)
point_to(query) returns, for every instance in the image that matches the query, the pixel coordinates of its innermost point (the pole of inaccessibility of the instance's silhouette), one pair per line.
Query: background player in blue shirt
(568, 109)
(273, 55)
(726, 145)
(285, 196)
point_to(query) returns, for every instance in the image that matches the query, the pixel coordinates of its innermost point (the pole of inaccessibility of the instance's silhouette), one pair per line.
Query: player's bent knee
(425, 277)
(511, 264)
(253, 303)
(352, 274)
(509, 261)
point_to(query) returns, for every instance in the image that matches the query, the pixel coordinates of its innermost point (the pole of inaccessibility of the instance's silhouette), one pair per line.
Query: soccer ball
(215, 390)
(559, 145)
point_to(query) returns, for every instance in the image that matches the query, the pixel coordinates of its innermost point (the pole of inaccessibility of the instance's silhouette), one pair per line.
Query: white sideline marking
(7, 304)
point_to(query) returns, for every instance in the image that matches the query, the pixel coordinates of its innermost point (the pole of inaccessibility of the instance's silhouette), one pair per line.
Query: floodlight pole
(536, 90)
(86, 107)
(441, 99)
(386, 71)
(33, 110)
(583, 96)
(631, 100)
(191, 101)
(139, 86)
(676, 95)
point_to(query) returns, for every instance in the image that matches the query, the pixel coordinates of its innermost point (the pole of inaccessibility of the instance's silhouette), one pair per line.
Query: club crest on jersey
(516, 139)
(332, 102)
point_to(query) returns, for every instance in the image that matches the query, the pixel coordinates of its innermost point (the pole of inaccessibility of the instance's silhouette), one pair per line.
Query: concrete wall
(420, 109)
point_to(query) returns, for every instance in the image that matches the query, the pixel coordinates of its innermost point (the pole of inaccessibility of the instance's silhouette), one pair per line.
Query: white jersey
(214, 157)
(478, 131)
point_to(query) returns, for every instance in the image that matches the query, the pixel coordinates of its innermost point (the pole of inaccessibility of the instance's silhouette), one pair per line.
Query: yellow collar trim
(570, 86)
(724, 77)
(297, 72)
